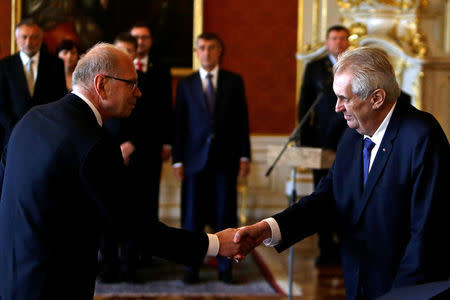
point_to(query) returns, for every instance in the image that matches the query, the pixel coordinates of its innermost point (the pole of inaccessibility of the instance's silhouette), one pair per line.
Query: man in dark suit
(141, 152)
(28, 78)
(156, 110)
(387, 191)
(324, 127)
(211, 146)
(119, 259)
(64, 184)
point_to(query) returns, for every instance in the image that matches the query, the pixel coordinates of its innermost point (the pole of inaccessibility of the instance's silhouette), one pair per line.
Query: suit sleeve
(105, 180)
(307, 216)
(166, 107)
(426, 256)
(180, 124)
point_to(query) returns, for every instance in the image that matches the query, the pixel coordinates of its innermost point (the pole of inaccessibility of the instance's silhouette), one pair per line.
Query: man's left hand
(127, 149)
(244, 168)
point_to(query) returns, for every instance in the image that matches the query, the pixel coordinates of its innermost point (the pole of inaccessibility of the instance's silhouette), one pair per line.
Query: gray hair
(371, 70)
(103, 58)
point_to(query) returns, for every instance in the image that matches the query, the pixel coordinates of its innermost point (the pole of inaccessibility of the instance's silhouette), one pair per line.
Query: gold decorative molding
(315, 23)
(402, 4)
(16, 13)
(180, 72)
(198, 29)
(300, 21)
(323, 20)
(357, 31)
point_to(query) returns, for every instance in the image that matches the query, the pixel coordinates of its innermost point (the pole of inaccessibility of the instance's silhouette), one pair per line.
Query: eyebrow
(341, 96)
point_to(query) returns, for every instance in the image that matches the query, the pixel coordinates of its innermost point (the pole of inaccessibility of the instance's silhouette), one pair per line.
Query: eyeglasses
(132, 83)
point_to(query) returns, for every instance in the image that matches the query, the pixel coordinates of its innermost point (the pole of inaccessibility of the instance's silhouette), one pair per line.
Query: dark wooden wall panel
(260, 39)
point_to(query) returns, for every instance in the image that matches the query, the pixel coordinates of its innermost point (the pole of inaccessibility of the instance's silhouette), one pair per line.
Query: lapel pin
(384, 149)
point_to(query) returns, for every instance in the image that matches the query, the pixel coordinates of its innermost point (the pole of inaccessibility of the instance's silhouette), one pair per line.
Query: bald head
(106, 76)
(103, 58)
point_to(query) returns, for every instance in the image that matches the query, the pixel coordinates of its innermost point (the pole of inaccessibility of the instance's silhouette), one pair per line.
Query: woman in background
(69, 52)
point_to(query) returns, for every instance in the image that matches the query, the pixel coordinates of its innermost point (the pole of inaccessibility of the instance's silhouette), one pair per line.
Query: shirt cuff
(244, 159)
(213, 246)
(177, 165)
(276, 234)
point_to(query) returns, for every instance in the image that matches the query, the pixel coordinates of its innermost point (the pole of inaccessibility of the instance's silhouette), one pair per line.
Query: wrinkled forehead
(342, 80)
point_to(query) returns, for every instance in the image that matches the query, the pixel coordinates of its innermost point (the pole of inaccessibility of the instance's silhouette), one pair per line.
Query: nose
(137, 92)
(339, 105)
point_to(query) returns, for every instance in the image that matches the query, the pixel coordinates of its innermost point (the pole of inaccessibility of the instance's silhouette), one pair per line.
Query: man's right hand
(252, 236)
(179, 172)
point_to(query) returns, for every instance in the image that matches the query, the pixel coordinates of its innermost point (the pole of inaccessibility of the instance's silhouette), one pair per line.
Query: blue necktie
(210, 93)
(368, 146)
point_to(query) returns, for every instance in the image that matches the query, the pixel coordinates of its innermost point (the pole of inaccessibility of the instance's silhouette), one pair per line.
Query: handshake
(237, 243)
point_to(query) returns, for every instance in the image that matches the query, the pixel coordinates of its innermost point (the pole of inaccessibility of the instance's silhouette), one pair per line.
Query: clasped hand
(237, 243)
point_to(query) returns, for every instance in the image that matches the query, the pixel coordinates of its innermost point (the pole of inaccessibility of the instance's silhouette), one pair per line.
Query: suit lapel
(220, 91)
(41, 72)
(356, 172)
(379, 163)
(199, 95)
(19, 77)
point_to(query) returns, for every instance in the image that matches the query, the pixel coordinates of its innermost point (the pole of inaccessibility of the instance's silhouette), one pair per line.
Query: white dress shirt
(215, 74)
(144, 62)
(25, 58)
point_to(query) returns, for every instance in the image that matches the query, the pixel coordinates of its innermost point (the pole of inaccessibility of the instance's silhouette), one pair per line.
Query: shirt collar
(92, 106)
(378, 135)
(25, 58)
(214, 72)
(144, 62)
(332, 59)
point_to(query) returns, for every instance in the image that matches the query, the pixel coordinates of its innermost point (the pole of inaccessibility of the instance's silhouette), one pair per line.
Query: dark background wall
(260, 39)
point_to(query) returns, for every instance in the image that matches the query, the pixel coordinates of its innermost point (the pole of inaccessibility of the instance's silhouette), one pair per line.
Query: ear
(378, 98)
(99, 85)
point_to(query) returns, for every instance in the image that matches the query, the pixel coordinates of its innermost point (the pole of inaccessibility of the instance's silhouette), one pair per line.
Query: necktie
(30, 76)
(368, 146)
(139, 65)
(210, 93)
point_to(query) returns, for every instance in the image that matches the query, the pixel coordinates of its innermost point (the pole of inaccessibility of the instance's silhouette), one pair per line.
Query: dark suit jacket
(154, 111)
(157, 109)
(196, 127)
(15, 99)
(324, 127)
(393, 231)
(63, 185)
